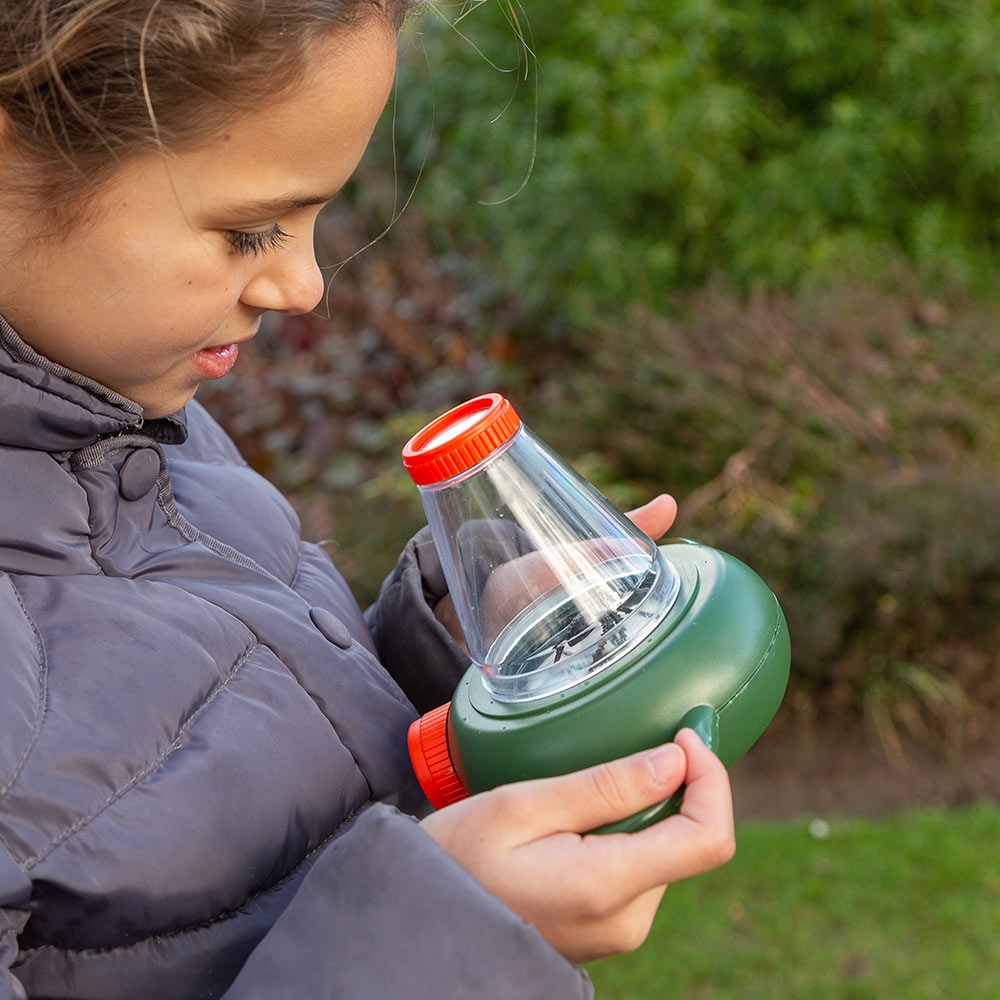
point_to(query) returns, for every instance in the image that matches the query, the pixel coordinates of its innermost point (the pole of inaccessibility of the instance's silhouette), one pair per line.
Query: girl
(204, 788)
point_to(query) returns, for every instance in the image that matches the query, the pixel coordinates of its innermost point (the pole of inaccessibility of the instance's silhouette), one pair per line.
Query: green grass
(905, 908)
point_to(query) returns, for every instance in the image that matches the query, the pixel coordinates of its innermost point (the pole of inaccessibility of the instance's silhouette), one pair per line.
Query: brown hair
(85, 84)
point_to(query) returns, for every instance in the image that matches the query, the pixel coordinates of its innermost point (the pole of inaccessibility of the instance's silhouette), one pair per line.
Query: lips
(214, 362)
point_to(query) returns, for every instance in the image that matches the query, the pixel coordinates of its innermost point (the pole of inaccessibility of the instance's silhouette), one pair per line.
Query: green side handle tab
(704, 720)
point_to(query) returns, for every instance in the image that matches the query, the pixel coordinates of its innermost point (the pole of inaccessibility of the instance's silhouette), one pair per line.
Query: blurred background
(747, 254)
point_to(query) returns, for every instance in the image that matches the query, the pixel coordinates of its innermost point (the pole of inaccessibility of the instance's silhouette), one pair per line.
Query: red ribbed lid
(460, 438)
(427, 741)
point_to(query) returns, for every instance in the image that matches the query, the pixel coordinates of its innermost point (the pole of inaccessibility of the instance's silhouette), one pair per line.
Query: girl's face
(180, 256)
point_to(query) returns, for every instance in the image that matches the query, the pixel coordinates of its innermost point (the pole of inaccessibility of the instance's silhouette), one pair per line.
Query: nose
(289, 279)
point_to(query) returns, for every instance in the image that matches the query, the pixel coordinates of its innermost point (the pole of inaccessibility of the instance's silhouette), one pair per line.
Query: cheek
(182, 262)
(184, 283)
(199, 286)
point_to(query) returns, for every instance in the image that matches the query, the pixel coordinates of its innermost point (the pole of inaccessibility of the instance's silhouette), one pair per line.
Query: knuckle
(591, 898)
(635, 932)
(719, 848)
(503, 802)
(630, 930)
(608, 789)
(515, 806)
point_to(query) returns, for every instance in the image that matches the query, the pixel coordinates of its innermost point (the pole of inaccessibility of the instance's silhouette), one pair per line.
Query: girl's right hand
(594, 895)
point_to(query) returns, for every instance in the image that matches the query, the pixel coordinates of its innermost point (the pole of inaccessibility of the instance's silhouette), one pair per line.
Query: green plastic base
(719, 662)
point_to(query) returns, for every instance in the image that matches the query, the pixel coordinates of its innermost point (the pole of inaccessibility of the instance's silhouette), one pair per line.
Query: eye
(252, 244)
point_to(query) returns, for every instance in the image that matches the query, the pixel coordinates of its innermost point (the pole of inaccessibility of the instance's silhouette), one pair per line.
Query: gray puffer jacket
(204, 788)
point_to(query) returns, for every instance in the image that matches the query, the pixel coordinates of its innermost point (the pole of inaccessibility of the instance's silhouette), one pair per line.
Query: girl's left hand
(532, 575)
(656, 516)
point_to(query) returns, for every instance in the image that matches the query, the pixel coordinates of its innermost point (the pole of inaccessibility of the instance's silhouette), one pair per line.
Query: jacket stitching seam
(41, 708)
(144, 772)
(218, 918)
(168, 504)
(96, 454)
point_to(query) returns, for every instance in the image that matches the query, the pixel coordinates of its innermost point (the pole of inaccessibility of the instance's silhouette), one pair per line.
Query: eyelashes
(254, 244)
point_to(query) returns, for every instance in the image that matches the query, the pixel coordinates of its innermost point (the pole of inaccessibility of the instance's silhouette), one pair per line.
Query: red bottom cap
(427, 741)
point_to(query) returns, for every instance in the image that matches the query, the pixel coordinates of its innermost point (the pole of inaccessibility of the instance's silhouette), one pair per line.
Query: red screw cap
(427, 741)
(460, 438)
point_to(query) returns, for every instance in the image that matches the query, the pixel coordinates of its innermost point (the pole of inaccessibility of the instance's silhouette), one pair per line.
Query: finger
(618, 932)
(583, 800)
(656, 516)
(447, 615)
(708, 799)
(698, 838)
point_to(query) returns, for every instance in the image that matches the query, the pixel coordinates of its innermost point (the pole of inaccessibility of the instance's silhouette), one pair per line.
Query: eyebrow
(276, 206)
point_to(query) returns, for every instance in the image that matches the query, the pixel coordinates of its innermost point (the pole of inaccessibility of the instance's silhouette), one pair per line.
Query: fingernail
(663, 762)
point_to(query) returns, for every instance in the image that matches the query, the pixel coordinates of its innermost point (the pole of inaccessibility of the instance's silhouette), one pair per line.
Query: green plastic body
(718, 662)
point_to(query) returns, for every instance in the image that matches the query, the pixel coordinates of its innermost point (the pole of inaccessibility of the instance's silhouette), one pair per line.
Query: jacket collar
(46, 406)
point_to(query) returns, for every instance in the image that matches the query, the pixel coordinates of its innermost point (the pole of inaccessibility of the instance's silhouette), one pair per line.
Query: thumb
(586, 799)
(656, 516)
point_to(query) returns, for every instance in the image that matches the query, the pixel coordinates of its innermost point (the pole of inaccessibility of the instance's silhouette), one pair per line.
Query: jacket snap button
(138, 473)
(331, 627)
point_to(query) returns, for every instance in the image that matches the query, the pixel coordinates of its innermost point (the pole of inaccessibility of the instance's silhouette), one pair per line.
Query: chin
(163, 409)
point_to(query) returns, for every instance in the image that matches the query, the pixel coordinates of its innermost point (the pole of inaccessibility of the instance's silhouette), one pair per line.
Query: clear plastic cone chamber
(551, 583)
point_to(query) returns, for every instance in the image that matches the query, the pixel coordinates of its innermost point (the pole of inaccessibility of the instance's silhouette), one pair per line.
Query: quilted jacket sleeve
(15, 891)
(386, 913)
(412, 644)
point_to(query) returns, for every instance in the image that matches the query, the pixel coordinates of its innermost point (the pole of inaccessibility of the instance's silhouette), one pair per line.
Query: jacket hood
(44, 405)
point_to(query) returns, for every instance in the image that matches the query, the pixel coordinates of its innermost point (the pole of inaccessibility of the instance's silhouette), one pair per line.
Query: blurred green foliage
(601, 152)
(752, 248)
(741, 252)
(843, 443)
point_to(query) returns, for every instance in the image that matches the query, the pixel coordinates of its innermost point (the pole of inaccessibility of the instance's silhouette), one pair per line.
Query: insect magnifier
(587, 640)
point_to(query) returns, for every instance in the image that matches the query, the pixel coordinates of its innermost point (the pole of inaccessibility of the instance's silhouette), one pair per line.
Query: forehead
(303, 143)
(296, 147)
